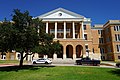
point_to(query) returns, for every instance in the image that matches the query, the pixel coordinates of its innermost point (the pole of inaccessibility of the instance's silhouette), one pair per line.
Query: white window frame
(116, 28)
(117, 37)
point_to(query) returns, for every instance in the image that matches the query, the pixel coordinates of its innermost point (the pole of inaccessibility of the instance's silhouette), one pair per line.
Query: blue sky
(100, 11)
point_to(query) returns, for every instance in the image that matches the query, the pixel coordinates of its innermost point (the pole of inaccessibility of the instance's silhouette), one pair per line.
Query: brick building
(79, 38)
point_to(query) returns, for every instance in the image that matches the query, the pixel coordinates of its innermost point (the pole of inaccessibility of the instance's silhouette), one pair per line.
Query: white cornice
(63, 10)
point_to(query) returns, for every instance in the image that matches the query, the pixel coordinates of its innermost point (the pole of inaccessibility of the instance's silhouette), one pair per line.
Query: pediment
(60, 13)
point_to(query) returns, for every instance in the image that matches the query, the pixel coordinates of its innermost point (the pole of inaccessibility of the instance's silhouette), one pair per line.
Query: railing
(59, 30)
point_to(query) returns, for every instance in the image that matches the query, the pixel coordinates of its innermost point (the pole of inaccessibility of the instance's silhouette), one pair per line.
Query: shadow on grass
(24, 67)
(115, 72)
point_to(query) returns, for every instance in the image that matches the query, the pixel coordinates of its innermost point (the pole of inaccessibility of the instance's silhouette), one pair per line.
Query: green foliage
(21, 19)
(7, 36)
(25, 34)
(56, 47)
(27, 37)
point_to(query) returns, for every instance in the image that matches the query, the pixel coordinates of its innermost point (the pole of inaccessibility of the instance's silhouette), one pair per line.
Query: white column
(82, 31)
(64, 52)
(45, 56)
(73, 25)
(55, 30)
(46, 27)
(38, 29)
(74, 53)
(64, 30)
(54, 56)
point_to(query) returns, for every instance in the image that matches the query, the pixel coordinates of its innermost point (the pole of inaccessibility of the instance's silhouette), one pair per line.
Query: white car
(42, 61)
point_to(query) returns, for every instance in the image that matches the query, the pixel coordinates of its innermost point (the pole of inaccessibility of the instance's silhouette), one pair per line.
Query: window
(85, 36)
(100, 40)
(100, 31)
(117, 37)
(108, 39)
(118, 57)
(107, 30)
(103, 57)
(84, 27)
(93, 50)
(18, 56)
(118, 48)
(102, 50)
(109, 49)
(60, 14)
(86, 46)
(116, 28)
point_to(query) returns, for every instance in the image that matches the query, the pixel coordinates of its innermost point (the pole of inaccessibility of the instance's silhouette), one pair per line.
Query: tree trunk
(21, 60)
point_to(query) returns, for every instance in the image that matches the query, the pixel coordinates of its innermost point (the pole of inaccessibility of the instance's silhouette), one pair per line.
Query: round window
(60, 14)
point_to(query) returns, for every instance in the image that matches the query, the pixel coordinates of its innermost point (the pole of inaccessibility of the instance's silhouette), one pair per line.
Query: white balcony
(59, 30)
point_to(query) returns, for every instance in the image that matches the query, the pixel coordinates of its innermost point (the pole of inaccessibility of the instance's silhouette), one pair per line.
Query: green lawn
(59, 73)
(10, 61)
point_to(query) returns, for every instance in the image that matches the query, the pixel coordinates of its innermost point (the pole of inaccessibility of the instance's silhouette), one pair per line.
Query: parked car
(118, 64)
(88, 61)
(42, 61)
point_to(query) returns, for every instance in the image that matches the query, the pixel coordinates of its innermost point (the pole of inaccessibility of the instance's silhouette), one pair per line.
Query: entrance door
(69, 51)
(79, 49)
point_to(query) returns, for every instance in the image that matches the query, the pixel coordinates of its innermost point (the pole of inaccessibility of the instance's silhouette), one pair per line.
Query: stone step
(63, 61)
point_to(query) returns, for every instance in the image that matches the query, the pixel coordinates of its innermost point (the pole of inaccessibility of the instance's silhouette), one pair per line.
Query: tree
(56, 47)
(7, 36)
(26, 35)
(46, 44)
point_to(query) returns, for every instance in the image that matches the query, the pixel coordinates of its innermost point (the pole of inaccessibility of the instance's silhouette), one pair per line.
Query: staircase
(63, 61)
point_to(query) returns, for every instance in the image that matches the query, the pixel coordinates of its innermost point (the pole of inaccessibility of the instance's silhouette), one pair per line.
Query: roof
(62, 10)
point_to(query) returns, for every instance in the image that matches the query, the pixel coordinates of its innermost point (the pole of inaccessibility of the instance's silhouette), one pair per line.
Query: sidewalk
(5, 65)
(104, 64)
(109, 63)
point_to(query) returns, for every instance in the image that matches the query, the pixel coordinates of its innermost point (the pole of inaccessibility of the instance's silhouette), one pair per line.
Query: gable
(60, 13)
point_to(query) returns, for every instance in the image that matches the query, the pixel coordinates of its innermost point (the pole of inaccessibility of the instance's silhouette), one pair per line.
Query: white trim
(85, 33)
(63, 10)
(61, 19)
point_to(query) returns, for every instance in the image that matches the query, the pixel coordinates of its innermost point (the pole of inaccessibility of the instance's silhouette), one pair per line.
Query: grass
(59, 73)
(10, 61)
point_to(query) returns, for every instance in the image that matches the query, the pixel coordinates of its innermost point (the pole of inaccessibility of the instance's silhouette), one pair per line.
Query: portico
(67, 27)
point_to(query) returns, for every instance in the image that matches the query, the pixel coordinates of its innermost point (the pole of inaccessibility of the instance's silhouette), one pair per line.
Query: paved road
(105, 64)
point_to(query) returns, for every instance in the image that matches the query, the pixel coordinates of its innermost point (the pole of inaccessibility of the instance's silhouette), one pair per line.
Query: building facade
(79, 38)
